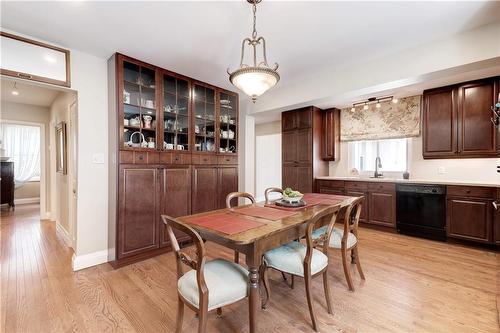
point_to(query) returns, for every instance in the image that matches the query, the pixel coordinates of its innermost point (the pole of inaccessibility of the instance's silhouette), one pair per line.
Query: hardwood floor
(412, 285)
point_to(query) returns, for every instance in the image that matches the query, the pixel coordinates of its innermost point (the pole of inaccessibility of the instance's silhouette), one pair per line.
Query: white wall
(476, 170)
(267, 157)
(36, 114)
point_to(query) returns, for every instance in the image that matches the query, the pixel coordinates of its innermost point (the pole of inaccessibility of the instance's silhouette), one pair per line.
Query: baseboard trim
(46, 216)
(64, 234)
(26, 201)
(89, 260)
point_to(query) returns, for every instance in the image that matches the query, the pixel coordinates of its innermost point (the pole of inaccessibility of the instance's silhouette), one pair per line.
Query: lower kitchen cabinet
(227, 182)
(175, 197)
(470, 219)
(496, 222)
(363, 217)
(382, 208)
(204, 192)
(138, 216)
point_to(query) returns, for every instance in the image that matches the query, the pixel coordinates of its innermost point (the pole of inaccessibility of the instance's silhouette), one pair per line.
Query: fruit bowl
(292, 196)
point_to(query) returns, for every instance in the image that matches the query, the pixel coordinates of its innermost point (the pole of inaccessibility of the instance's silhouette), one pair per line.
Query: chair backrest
(351, 219)
(331, 213)
(233, 195)
(182, 257)
(271, 190)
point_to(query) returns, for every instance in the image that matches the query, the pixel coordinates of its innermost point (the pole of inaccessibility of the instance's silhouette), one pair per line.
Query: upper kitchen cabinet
(204, 118)
(456, 120)
(228, 122)
(297, 119)
(330, 142)
(176, 112)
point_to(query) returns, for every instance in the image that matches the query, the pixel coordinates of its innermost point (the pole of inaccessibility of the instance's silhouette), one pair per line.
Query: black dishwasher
(421, 210)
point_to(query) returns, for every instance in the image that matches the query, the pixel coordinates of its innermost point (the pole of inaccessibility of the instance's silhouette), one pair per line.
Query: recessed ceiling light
(50, 59)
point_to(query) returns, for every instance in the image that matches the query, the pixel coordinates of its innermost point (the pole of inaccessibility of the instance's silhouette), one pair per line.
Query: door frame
(73, 172)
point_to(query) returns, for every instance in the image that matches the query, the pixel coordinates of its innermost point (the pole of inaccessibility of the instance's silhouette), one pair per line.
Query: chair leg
(284, 276)
(180, 315)
(292, 285)
(219, 312)
(310, 302)
(202, 321)
(236, 257)
(353, 257)
(358, 264)
(265, 282)
(326, 286)
(347, 272)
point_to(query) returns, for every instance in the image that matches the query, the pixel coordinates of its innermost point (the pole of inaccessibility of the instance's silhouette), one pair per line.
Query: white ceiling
(202, 39)
(29, 93)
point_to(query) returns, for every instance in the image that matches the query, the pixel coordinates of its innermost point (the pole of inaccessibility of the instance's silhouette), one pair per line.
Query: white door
(73, 169)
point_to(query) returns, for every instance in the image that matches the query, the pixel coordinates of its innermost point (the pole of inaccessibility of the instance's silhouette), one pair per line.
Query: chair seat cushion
(227, 282)
(336, 238)
(289, 258)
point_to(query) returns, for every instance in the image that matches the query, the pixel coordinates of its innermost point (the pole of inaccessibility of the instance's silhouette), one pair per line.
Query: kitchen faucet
(378, 164)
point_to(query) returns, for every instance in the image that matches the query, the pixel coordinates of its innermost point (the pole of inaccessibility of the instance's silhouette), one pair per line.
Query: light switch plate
(98, 158)
(441, 170)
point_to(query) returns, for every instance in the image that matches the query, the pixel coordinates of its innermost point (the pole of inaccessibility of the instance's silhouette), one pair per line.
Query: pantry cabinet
(330, 141)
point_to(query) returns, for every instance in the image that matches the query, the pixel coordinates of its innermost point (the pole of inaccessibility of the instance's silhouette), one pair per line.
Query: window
(392, 152)
(22, 145)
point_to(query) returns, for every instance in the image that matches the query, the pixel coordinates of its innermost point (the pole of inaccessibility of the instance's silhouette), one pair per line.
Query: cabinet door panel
(228, 182)
(288, 120)
(496, 224)
(364, 205)
(304, 118)
(304, 179)
(439, 130)
(304, 146)
(175, 197)
(289, 177)
(469, 219)
(289, 146)
(477, 133)
(204, 185)
(382, 208)
(138, 211)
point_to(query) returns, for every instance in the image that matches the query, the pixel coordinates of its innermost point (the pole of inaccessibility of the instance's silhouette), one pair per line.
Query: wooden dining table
(255, 242)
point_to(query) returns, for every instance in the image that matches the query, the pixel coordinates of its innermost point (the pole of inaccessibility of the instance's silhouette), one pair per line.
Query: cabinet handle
(227, 159)
(467, 191)
(495, 205)
(204, 160)
(141, 157)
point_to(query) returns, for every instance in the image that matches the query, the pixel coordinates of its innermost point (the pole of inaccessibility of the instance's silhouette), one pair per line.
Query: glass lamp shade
(254, 81)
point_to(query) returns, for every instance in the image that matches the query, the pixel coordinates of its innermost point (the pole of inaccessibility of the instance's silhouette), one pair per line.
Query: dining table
(257, 228)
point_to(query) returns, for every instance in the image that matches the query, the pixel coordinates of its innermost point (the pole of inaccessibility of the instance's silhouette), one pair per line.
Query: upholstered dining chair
(230, 197)
(346, 239)
(208, 285)
(305, 261)
(271, 190)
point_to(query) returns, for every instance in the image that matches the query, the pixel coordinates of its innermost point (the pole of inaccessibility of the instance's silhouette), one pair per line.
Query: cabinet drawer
(356, 185)
(174, 158)
(203, 159)
(331, 184)
(227, 159)
(334, 191)
(383, 187)
(139, 157)
(471, 191)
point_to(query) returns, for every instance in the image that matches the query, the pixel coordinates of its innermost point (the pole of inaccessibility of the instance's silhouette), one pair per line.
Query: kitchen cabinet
(330, 140)
(138, 210)
(496, 225)
(175, 196)
(301, 152)
(7, 183)
(227, 182)
(382, 208)
(469, 218)
(363, 217)
(204, 191)
(456, 120)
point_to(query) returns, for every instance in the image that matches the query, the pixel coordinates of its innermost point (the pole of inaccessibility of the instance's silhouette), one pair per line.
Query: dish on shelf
(225, 102)
(226, 106)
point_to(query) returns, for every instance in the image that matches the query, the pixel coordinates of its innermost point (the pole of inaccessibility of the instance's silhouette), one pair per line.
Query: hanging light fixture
(260, 77)
(373, 100)
(15, 92)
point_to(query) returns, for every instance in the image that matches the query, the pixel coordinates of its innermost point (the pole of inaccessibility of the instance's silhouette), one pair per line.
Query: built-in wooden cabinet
(330, 141)
(496, 222)
(301, 149)
(173, 142)
(382, 208)
(456, 120)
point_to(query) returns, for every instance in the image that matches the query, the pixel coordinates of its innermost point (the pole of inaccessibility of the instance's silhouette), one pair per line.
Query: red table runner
(225, 222)
(264, 212)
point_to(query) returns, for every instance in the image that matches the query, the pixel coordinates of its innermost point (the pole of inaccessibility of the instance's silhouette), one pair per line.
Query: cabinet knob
(467, 191)
(141, 157)
(204, 160)
(227, 160)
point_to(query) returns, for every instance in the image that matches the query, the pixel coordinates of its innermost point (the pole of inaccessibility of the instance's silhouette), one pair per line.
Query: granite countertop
(410, 181)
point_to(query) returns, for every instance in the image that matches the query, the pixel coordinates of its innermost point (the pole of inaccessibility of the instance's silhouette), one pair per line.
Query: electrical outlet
(441, 170)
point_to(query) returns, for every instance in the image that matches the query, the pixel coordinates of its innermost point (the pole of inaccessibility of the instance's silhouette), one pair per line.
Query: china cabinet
(174, 150)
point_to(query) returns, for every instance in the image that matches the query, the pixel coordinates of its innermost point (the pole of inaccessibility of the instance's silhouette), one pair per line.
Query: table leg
(254, 301)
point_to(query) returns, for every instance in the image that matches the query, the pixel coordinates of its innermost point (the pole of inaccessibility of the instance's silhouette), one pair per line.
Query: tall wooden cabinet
(301, 148)
(7, 183)
(174, 151)
(456, 120)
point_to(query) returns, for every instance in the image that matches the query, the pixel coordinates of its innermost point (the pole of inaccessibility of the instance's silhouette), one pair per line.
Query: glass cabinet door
(204, 118)
(228, 123)
(139, 106)
(175, 113)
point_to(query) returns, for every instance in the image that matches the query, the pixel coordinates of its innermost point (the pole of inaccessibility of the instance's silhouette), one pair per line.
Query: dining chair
(230, 197)
(208, 285)
(305, 261)
(271, 190)
(346, 239)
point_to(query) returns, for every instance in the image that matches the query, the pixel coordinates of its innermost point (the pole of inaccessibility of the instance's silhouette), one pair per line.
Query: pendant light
(258, 78)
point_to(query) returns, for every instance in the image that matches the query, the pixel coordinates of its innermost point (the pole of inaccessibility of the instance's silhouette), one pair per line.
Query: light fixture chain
(254, 32)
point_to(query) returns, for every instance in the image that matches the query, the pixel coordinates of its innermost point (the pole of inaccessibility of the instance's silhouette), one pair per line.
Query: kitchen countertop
(410, 181)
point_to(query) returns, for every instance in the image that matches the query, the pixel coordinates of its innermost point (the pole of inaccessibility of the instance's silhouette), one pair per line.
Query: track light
(353, 109)
(378, 105)
(394, 100)
(365, 107)
(15, 92)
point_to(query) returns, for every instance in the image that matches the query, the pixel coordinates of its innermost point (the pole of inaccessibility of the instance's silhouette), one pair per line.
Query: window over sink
(392, 152)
